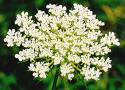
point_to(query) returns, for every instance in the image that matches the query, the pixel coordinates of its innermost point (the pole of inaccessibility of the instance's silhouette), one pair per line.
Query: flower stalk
(55, 79)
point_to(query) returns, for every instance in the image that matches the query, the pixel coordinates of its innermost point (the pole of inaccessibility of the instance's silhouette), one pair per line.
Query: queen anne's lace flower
(70, 39)
(39, 69)
(67, 69)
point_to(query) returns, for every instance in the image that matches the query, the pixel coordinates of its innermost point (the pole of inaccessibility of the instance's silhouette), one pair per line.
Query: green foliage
(39, 3)
(6, 81)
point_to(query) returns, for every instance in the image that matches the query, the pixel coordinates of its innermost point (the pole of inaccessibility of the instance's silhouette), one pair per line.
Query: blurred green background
(14, 75)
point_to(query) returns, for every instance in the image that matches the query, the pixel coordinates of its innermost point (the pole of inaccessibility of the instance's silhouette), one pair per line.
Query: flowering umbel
(70, 39)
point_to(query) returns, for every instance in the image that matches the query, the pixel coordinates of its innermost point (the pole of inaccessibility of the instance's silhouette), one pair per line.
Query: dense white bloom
(110, 39)
(23, 20)
(70, 39)
(104, 64)
(90, 73)
(14, 37)
(26, 54)
(10, 37)
(67, 69)
(39, 69)
(57, 58)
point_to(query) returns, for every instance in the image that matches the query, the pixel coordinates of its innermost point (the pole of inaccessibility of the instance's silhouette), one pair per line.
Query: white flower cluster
(70, 39)
(67, 69)
(39, 69)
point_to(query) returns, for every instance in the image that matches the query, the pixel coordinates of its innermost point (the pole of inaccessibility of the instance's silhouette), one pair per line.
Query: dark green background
(14, 75)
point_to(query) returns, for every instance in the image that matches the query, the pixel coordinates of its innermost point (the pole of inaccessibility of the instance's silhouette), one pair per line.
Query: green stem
(75, 66)
(55, 79)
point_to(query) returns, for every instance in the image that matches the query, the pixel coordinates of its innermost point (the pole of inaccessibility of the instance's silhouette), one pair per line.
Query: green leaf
(39, 3)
